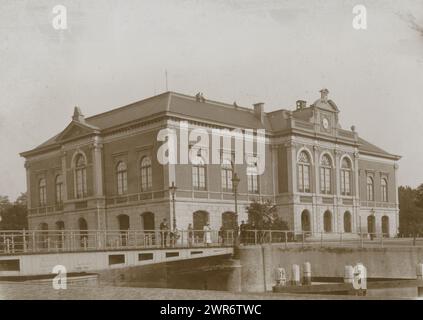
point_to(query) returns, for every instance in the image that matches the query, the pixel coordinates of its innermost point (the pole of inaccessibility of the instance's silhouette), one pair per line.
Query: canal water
(203, 274)
(200, 274)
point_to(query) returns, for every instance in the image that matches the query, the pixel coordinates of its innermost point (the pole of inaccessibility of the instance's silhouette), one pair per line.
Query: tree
(21, 200)
(13, 215)
(263, 216)
(411, 210)
(419, 196)
(4, 203)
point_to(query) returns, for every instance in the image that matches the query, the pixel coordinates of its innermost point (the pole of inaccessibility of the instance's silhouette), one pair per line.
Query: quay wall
(259, 262)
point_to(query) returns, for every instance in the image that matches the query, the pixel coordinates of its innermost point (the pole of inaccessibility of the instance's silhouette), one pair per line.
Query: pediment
(327, 105)
(75, 130)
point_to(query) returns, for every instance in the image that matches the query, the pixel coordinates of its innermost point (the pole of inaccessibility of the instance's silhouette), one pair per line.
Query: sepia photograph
(234, 151)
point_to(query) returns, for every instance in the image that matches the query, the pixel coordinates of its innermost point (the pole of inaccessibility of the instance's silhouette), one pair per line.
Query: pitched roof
(175, 104)
(179, 104)
(367, 147)
(187, 107)
(134, 111)
(218, 112)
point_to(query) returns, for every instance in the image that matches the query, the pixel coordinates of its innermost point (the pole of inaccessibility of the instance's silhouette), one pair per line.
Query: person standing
(207, 234)
(222, 235)
(164, 228)
(190, 235)
(242, 229)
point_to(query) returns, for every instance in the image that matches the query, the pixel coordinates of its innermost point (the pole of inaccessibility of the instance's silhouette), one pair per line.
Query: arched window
(148, 223)
(253, 182)
(228, 220)
(325, 174)
(42, 192)
(199, 175)
(327, 221)
(371, 224)
(303, 172)
(146, 174)
(370, 189)
(123, 221)
(346, 177)
(305, 221)
(59, 189)
(83, 232)
(122, 180)
(60, 236)
(80, 176)
(199, 219)
(226, 175)
(347, 222)
(384, 189)
(385, 226)
(43, 238)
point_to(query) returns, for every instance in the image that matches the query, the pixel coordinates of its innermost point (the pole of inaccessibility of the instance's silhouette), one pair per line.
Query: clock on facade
(325, 123)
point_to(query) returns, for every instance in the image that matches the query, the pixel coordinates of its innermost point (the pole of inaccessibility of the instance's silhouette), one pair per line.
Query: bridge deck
(27, 264)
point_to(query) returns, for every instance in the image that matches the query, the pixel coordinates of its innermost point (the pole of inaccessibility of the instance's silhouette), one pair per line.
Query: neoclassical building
(102, 172)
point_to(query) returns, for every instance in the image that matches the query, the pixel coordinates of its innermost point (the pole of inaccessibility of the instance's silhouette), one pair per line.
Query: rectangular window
(116, 259)
(384, 194)
(345, 182)
(42, 196)
(370, 192)
(226, 179)
(306, 179)
(146, 178)
(199, 177)
(10, 265)
(149, 179)
(122, 182)
(327, 180)
(145, 256)
(195, 177)
(81, 183)
(172, 254)
(322, 180)
(301, 178)
(253, 183)
(202, 178)
(59, 193)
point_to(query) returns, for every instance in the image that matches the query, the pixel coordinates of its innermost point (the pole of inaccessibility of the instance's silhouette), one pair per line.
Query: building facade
(103, 172)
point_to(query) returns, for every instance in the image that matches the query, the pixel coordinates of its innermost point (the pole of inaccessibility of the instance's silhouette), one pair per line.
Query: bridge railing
(38, 241)
(328, 239)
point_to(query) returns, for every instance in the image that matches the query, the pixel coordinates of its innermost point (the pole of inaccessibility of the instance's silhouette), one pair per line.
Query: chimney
(301, 104)
(259, 110)
(77, 115)
(324, 95)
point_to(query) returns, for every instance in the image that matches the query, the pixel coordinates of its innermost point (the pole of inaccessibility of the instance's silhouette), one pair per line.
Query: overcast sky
(116, 52)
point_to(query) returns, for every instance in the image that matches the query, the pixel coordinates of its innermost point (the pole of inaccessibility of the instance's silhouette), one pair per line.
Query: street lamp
(235, 183)
(172, 190)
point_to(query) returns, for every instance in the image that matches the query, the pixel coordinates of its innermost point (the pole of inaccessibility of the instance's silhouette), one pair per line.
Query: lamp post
(172, 190)
(235, 183)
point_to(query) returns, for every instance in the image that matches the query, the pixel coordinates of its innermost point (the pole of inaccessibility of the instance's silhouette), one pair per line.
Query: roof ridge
(126, 106)
(218, 103)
